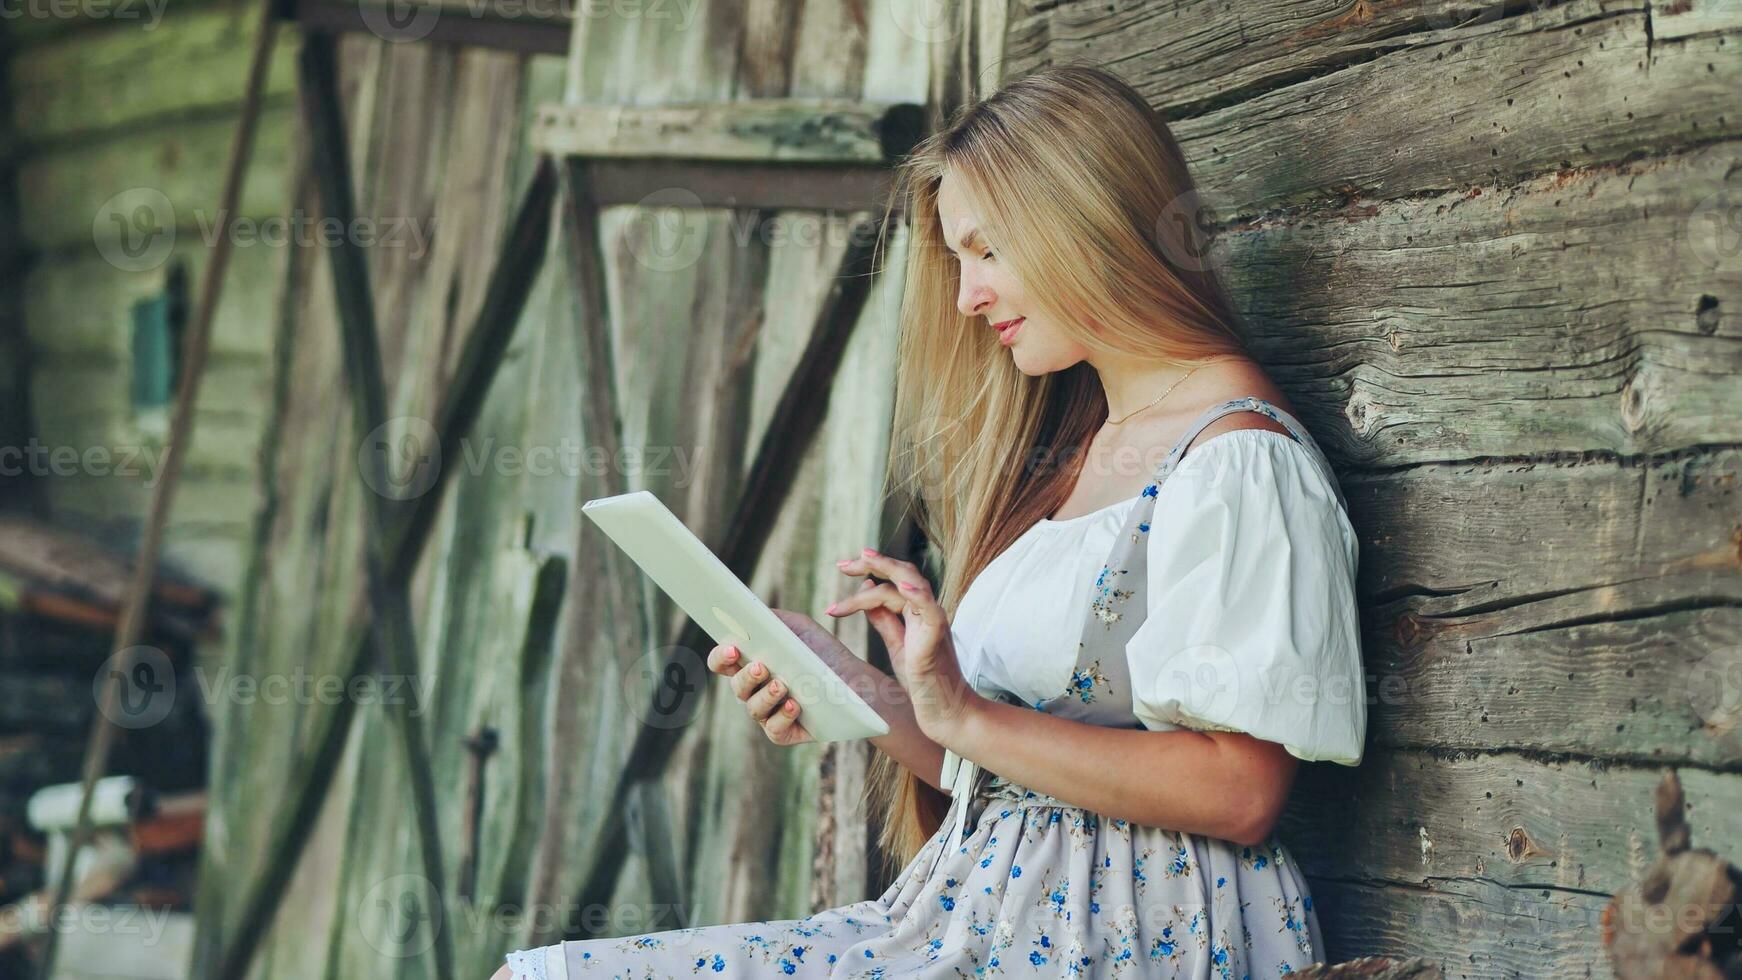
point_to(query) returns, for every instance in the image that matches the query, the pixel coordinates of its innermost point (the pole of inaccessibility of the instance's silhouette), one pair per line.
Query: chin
(1035, 365)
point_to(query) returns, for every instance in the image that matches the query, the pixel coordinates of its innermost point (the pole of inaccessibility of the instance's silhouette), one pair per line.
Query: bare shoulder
(1236, 378)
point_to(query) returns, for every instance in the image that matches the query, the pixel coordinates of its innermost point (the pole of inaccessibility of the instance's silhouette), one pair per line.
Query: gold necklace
(1164, 394)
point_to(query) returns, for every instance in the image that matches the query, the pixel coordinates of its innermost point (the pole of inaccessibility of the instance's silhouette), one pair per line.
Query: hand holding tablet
(729, 612)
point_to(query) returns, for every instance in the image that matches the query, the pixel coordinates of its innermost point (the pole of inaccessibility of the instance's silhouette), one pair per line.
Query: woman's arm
(905, 743)
(1227, 785)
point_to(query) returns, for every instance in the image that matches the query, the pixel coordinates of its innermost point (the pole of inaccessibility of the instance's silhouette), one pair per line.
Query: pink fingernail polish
(843, 562)
(870, 551)
(904, 585)
(831, 608)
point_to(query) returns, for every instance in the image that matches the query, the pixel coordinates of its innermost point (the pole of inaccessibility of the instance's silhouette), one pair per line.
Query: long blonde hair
(1082, 192)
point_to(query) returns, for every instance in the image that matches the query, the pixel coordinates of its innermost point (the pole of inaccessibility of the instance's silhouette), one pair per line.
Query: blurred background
(345, 687)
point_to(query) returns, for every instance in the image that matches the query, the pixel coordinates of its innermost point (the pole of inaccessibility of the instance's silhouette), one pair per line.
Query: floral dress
(1018, 883)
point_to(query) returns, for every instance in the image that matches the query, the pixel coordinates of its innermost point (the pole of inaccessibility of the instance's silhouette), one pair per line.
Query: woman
(1155, 572)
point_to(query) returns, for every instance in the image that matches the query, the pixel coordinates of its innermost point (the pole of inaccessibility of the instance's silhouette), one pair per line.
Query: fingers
(782, 728)
(885, 597)
(766, 699)
(725, 660)
(908, 592)
(746, 681)
(893, 569)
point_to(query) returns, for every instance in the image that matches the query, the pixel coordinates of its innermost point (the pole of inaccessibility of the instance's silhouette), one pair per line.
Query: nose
(972, 296)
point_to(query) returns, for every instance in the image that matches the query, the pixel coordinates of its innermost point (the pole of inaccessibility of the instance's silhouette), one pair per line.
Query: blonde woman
(1147, 608)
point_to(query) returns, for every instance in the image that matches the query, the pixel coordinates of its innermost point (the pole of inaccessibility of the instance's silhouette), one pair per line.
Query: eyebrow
(970, 238)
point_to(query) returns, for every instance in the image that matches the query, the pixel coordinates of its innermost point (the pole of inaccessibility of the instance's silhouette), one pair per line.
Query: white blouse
(1251, 622)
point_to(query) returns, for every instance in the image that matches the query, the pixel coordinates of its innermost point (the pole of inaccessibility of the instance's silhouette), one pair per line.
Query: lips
(1007, 329)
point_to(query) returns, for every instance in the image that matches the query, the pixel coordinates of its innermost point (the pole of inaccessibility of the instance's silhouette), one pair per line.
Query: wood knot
(1359, 412)
(1519, 846)
(1411, 631)
(1632, 406)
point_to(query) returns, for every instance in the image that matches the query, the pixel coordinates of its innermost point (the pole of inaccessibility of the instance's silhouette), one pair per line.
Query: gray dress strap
(1099, 691)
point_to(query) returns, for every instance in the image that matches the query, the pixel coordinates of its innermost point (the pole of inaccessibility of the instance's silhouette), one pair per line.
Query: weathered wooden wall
(509, 615)
(1492, 250)
(103, 106)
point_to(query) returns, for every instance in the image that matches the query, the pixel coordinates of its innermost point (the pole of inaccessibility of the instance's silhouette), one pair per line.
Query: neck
(1131, 385)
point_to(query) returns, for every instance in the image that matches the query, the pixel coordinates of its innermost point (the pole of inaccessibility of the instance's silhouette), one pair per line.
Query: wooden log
(1501, 818)
(1468, 927)
(77, 308)
(1578, 312)
(1491, 618)
(1330, 97)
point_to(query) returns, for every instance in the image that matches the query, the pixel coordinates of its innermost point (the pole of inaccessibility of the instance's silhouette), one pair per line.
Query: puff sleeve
(1252, 623)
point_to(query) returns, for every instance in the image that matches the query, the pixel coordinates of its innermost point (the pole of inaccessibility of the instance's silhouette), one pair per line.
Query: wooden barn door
(527, 704)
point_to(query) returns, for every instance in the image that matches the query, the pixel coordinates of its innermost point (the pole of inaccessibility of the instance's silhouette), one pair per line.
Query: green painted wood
(77, 304)
(151, 73)
(62, 190)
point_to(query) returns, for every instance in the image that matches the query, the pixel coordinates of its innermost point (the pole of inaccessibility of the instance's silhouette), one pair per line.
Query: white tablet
(701, 584)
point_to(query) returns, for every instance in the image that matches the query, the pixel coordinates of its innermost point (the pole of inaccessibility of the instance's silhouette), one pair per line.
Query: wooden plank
(1658, 688)
(1490, 865)
(834, 131)
(233, 395)
(502, 26)
(95, 81)
(64, 192)
(1423, 818)
(1321, 114)
(37, 24)
(1470, 928)
(1577, 312)
(1484, 586)
(680, 183)
(1675, 19)
(79, 304)
(1532, 545)
(793, 423)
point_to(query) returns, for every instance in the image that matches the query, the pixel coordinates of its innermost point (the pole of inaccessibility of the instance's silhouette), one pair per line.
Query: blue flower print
(1106, 595)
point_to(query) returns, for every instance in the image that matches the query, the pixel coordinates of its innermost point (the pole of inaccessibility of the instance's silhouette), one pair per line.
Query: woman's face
(990, 291)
